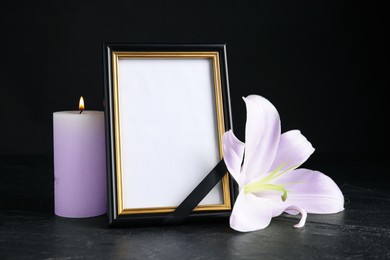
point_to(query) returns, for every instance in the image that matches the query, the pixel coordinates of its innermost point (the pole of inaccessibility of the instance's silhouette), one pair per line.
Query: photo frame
(167, 108)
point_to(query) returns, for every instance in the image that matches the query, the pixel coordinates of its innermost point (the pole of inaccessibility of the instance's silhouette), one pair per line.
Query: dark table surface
(30, 230)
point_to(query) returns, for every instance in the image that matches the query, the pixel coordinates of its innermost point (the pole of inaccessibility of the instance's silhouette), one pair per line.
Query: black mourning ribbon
(196, 196)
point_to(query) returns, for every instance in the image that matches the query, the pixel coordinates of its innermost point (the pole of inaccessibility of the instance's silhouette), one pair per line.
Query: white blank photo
(169, 132)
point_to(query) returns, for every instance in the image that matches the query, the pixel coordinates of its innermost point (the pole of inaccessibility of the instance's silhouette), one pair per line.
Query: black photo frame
(167, 108)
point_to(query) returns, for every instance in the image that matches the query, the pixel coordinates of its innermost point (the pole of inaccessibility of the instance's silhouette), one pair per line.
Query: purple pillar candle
(79, 164)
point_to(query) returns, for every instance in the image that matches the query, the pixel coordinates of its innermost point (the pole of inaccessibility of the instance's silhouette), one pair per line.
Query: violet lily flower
(268, 179)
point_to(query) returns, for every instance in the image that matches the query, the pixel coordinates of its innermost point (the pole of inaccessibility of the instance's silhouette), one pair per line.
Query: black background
(323, 64)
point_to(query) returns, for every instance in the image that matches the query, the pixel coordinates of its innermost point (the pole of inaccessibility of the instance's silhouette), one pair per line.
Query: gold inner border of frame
(214, 56)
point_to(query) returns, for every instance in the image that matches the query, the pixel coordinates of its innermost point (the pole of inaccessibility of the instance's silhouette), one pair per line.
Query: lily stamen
(257, 187)
(263, 185)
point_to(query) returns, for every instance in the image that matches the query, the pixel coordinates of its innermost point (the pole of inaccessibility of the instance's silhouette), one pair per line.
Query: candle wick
(81, 111)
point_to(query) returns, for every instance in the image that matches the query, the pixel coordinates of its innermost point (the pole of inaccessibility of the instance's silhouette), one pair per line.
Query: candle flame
(81, 103)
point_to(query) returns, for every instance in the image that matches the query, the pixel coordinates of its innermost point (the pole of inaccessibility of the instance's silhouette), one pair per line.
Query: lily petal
(233, 150)
(250, 213)
(313, 191)
(294, 149)
(303, 213)
(262, 133)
